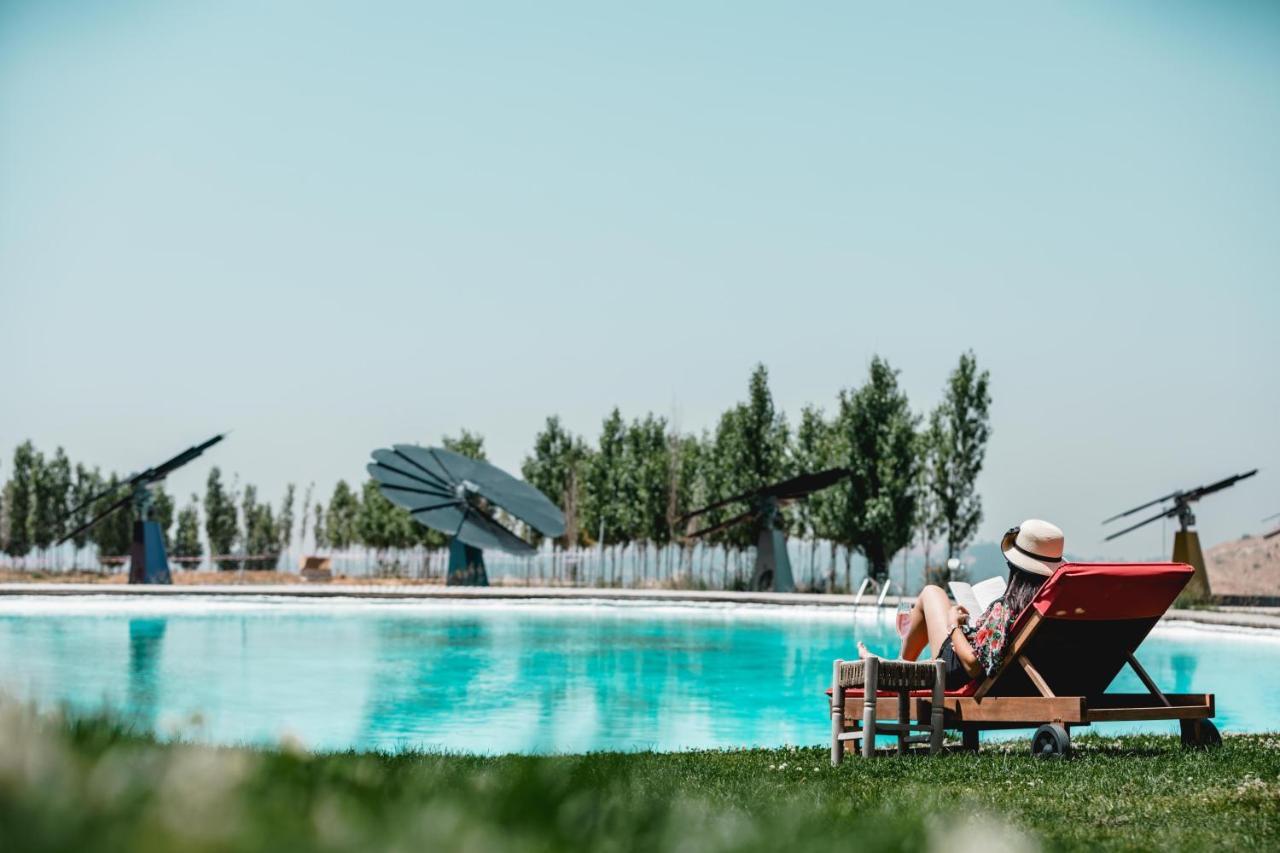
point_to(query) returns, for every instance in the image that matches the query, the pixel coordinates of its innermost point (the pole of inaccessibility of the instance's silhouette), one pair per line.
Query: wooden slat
(996, 709)
(1150, 712)
(1147, 681)
(1123, 700)
(1036, 678)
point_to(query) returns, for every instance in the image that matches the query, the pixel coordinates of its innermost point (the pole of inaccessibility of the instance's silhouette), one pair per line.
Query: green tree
(558, 467)
(261, 533)
(162, 511)
(750, 450)
(959, 428)
(605, 510)
(467, 443)
(380, 524)
(220, 525)
(113, 535)
(647, 464)
(85, 484)
(20, 500)
(877, 435)
(186, 541)
(52, 481)
(816, 449)
(340, 520)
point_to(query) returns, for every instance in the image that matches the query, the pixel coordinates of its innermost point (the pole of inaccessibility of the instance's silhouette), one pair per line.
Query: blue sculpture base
(466, 566)
(147, 560)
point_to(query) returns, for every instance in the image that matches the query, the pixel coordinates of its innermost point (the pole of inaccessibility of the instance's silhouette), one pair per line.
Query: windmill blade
(737, 519)
(1167, 497)
(1269, 517)
(124, 501)
(420, 464)
(517, 497)
(736, 498)
(149, 475)
(480, 531)
(182, 458)
(105, 493)
(407, 488)
(805, 484)
(1198, 493)
(1169, 513)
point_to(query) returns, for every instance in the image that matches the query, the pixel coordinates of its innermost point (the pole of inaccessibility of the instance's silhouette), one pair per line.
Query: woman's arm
(960, 643)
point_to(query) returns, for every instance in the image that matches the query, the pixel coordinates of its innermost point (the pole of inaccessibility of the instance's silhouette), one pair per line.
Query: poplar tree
(877, 435)
(604, 507)
(20, 500)
(959, 429)
(220, 524)
(340, 520)
(162, 512)
(85, 484)
(186, 540)
(558, 467)
(113, 535)
(466, 443)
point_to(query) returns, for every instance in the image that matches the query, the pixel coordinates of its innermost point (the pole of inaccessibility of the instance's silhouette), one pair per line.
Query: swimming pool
(504, 677)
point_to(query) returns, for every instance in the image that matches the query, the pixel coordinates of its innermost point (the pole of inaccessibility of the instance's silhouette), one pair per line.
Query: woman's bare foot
(863, 652)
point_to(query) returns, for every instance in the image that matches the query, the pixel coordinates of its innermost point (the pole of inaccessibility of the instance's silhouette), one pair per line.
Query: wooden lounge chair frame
(1020, 695)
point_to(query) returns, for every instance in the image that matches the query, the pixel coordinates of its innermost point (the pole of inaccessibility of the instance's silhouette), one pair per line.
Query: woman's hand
(957, 615)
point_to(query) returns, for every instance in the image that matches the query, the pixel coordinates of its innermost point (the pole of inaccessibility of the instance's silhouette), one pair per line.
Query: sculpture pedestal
(147, 560)
(466, 566)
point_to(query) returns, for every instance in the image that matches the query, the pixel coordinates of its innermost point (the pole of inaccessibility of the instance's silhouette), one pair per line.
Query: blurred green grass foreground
(88, 784)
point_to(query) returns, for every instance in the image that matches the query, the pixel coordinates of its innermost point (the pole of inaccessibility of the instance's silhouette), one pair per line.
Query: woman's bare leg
(928, 623)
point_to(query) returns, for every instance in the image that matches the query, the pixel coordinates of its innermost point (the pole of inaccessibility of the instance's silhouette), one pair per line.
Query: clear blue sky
(334, 226)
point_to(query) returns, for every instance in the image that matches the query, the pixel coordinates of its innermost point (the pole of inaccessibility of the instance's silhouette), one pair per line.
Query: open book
(977, 597)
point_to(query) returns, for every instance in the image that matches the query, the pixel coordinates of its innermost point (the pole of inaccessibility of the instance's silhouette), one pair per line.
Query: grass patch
(76, 784)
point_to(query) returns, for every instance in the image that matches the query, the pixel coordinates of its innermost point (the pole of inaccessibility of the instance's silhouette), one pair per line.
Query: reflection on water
(146, 636)
(514, 678)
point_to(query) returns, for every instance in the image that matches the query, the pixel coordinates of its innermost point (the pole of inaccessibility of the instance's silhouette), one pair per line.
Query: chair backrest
(1083, 624)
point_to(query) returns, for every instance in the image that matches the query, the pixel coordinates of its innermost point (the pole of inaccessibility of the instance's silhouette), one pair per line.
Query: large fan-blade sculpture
(773, 566)
(1186, 542)
(147, 560)
(456, 495)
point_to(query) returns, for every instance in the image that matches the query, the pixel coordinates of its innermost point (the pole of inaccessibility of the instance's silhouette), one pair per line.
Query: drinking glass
(904, 617)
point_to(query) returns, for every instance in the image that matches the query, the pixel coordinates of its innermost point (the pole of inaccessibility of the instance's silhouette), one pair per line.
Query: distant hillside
(1248, 566)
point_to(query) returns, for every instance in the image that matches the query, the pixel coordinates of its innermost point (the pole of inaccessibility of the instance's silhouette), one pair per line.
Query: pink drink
(904, 622)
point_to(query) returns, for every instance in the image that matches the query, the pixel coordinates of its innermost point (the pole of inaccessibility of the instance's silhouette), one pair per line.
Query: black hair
(1022, 587)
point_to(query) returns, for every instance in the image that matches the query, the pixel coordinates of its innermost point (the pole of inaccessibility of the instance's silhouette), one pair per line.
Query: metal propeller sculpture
(1275, 532)
(773, 566)
(1186, 542)
(456, 495)
(147, 560)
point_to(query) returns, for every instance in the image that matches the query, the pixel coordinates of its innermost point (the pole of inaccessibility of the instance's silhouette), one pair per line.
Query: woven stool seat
(874, 675)
(893, 675)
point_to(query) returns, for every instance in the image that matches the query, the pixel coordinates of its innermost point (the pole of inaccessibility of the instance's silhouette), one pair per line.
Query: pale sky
(330, 227)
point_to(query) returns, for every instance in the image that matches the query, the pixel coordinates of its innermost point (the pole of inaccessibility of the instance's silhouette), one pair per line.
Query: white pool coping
(320, 593)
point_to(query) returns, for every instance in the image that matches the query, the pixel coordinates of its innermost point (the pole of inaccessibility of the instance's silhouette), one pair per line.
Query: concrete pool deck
(1236, 617)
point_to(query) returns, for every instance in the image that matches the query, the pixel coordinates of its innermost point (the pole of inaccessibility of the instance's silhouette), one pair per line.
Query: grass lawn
(91, 785)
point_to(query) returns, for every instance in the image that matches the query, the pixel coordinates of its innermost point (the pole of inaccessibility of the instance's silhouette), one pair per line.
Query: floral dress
(989, 634)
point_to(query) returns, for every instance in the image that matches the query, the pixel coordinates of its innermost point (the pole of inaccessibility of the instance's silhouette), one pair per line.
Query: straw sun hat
(1034, 546)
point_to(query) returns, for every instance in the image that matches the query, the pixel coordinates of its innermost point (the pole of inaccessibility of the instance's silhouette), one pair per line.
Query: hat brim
(1025, 561)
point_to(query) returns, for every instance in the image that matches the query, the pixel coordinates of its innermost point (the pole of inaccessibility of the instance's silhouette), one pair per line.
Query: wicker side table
(874, 674)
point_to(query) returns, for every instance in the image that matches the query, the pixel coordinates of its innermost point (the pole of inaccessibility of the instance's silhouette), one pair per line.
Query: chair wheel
(1200, 734)
(1051, 741)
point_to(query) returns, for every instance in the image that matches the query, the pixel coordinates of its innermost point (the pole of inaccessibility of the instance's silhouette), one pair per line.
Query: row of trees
(913, 482)
(46, 497)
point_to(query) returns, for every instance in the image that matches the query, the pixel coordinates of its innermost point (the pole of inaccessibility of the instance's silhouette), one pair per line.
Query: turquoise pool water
(529, 677)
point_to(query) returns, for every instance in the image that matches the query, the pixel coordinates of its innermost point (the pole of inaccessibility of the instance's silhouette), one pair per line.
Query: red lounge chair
(1067, 647)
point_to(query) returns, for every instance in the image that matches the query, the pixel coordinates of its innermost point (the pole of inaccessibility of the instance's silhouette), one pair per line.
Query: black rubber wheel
(1051, 741)
(1200, 734)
